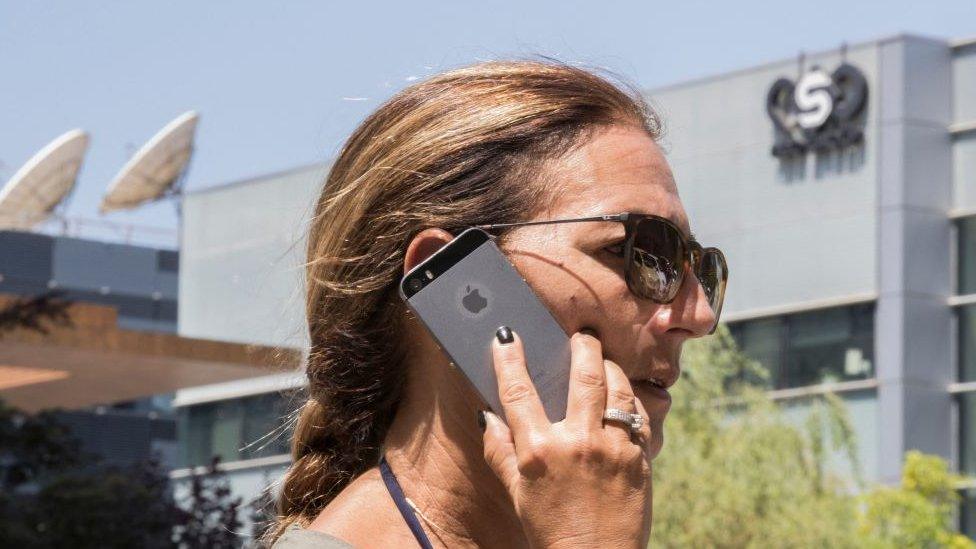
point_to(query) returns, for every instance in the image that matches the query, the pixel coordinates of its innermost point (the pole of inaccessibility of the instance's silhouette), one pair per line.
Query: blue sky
(280, 84)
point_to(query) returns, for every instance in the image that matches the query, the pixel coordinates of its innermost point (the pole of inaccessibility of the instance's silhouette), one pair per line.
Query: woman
(392, 448)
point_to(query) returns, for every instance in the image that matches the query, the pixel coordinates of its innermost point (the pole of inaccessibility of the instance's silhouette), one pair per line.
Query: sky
(282, 84)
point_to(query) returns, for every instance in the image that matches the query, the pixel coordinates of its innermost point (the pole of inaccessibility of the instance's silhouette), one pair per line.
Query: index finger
(523, 410)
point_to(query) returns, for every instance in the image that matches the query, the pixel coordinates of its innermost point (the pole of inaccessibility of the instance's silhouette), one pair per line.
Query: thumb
(500, 451)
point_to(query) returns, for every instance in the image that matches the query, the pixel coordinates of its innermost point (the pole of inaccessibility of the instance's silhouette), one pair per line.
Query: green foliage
(107, 507)
(36, 313)
(919, 512)
(54, 495)
(738, 471)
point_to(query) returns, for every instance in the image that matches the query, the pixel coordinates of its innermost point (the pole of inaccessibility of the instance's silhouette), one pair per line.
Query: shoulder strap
(401, 502)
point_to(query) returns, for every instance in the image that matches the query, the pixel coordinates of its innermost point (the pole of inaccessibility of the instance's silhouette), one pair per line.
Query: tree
(32, 448)
(107, 507)
(739, 472)
(54, 495)
(35, 313)
(262, 514)
(211, 512)
(919, 512)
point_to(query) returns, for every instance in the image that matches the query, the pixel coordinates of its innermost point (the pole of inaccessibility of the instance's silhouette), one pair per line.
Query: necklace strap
(401, 502)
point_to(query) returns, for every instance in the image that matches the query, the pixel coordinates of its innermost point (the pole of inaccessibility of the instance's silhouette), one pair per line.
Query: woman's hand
(578, 482)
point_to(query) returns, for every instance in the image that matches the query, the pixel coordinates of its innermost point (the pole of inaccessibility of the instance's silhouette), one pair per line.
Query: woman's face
(620, 169)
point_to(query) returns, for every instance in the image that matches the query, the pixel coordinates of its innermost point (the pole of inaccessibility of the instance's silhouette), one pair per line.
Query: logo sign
(474, 300)
(820, 112)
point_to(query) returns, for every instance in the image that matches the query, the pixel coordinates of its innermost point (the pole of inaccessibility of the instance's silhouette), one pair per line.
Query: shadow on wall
(825, 164)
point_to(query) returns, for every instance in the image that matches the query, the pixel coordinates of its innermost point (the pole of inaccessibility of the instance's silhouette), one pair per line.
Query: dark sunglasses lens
(712, 273)
(658, 260)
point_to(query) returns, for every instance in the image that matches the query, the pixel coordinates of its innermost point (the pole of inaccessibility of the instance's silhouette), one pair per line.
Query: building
(852, 263)
(114, 369)
(241, 281)
(842, 187)
(138, 281)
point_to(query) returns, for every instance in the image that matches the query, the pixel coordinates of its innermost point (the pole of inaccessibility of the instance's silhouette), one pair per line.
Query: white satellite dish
(43, 182)
(156, 169)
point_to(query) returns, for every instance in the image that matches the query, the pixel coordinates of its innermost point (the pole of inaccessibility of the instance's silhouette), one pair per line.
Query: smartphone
(463, 293)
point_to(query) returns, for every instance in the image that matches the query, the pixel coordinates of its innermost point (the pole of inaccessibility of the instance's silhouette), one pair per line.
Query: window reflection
(967, 256)
(967, 432)
(233, 430)
(967, 512)
(813, 347)
(967, 343)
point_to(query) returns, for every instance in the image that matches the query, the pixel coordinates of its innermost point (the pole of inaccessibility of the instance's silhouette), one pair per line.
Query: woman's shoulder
(296, 537)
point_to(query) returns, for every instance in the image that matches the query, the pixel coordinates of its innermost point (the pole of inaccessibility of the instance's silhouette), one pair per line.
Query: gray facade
(140, 282)
(868, 224)
(242, 247)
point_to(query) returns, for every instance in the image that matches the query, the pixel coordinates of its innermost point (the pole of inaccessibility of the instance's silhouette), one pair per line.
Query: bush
(737, 472)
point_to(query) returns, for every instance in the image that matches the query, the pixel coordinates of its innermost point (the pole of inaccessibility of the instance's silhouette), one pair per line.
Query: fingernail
(482, 422)
(504, 335)
(588, 331)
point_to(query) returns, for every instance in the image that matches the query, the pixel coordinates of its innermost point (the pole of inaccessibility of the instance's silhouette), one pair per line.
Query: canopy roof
(95, 362)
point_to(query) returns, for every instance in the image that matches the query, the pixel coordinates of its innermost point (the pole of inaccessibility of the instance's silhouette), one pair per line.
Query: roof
(811, 54)
(93, 362)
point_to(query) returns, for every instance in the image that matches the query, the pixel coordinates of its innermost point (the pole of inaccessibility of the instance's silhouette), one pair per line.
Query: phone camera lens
(415, 284)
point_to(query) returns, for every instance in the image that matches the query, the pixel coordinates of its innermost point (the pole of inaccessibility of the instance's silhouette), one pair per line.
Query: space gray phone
(464, 293)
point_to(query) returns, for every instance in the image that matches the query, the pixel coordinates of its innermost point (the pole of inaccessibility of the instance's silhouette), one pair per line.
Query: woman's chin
(657, 403)
(656, 443)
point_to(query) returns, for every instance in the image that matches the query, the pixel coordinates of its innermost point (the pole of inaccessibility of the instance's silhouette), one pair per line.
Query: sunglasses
(658, 255)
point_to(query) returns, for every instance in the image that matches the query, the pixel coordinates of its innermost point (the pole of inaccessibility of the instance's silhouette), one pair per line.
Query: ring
(634, 421)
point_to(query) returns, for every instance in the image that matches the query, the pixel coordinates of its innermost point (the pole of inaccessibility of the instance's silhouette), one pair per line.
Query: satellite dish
(43, 182)
(155, 170)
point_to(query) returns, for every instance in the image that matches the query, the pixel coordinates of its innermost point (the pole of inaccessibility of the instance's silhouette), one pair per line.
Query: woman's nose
(690, 310)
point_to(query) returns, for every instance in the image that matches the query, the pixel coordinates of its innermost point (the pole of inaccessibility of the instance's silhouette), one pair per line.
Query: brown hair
(462, 148)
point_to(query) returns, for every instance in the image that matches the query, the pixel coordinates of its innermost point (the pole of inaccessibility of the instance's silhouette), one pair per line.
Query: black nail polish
(504, 335)
(482, 422)
(588, 331)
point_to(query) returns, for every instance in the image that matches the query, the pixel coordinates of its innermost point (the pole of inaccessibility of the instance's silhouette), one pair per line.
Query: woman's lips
(648, 389)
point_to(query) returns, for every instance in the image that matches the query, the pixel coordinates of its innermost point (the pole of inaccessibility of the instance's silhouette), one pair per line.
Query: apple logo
(473, 301)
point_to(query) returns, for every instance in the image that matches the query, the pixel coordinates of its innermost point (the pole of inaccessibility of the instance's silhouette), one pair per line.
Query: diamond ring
(634, 421)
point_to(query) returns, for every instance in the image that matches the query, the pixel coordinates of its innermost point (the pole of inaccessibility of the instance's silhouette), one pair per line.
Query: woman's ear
(424, 245)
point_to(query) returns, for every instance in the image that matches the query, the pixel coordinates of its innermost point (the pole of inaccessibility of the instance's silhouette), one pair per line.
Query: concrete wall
(793, 232)
(866, 422)
(913, 327)
(964, 113)
(243, 246)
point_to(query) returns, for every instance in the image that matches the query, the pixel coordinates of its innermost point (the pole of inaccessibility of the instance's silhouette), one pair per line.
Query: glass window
(228, 421)
(967, 256)
(811, 348)
(967, 433)
(194, 427)
(236, 429)
(763, 341)
(967, 343)
(264, 420)
(967, 513)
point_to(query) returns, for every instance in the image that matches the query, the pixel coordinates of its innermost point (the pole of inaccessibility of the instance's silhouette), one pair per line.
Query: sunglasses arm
(614, 217)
